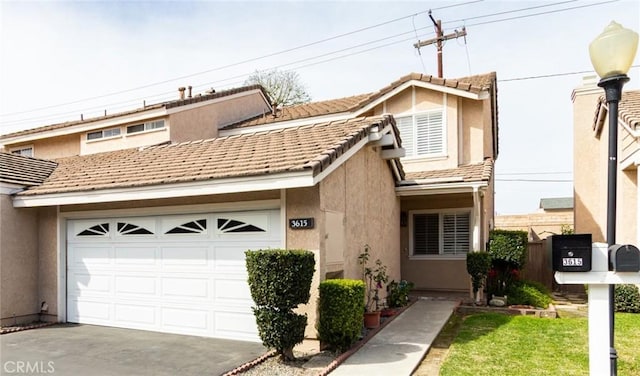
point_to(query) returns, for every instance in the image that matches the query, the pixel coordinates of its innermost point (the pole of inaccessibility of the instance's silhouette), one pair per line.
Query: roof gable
(25, 171)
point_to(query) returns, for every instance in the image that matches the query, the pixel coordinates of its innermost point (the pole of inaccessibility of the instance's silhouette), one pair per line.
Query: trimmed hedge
(627, 298)
(508, 247)
(528, 293)
(478, 265)
(279, 281)
(340, 307)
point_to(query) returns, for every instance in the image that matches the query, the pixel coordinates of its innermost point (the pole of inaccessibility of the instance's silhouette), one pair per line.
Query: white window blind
(446, 233)
(422, 134)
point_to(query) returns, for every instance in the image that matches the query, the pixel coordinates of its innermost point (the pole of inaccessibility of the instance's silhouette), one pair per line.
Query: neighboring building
(153, 236)
(554, 217)
(590, 117)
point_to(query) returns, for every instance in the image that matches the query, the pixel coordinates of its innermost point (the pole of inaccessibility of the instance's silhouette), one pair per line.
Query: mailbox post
(599, 278)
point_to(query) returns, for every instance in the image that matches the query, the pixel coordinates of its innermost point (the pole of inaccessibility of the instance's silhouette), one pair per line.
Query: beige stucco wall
(126, 141)
(590, 157)
(203, 122)
(538, 225)
(18, 263)
(51, 148)
(48, 260)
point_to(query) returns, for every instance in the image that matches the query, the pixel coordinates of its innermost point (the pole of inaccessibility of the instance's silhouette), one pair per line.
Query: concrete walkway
(400, 346)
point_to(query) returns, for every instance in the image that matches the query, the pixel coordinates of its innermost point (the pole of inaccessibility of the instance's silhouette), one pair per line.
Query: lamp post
(612, 54)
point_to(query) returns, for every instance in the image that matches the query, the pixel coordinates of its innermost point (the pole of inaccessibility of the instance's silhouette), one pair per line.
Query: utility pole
(439, 39)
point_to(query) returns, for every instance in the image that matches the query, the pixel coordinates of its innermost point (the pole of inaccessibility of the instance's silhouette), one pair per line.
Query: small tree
(280, 280)
(478, 266)
(284, 87)
(508, 250)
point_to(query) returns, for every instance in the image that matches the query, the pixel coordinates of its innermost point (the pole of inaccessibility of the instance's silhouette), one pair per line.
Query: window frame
(147, 126)
(19, 149)
(413, 152)
(102, 134)
(441, 255)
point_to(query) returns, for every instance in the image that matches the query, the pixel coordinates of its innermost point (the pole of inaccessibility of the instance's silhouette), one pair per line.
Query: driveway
(71, 349)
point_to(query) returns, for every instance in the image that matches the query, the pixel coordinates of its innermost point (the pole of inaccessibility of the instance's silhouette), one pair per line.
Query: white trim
(460, 130)
(475, 220)
(445, 125)
(437, 189)
(209, 187)
(174, 209)
(426, 85)
(342, 159)
(285, 124)
(10, 188)
(283, 216)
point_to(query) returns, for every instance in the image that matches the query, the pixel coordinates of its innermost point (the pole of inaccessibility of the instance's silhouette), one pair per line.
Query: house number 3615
(301, 223)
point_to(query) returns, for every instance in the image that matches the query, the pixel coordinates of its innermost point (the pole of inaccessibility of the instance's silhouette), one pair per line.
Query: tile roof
(305, 110)
(468, 173)
(629, 108)
(309, 147)
(474, 84)
(167, 105)
(556, 203)
(24, 170)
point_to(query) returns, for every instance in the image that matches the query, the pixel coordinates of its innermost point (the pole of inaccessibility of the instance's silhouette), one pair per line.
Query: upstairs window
(423, 134)
(113, 132)
(150, 125)
(446, 233)
(25, 151)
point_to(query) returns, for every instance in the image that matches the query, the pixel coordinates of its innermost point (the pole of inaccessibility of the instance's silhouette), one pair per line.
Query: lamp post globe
(612, 54)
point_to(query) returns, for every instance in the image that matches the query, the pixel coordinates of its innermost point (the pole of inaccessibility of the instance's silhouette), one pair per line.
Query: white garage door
(177, 273)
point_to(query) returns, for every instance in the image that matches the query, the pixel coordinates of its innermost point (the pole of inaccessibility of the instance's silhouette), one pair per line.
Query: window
(113, 132)
(150, 125)
(440, 233)
(422, 134)
(23, 151)
(194, 227)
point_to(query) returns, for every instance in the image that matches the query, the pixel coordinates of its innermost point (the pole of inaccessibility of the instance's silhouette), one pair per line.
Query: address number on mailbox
(571, 261)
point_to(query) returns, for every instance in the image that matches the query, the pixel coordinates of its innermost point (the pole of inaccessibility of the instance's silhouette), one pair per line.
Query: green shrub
(509, 247)
(398, 293)
(627, 298)
(340, 307)
(279, 281)
(478, 265)
(528, 293)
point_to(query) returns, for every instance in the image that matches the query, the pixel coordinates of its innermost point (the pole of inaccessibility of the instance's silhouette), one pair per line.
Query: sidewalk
(400, 346)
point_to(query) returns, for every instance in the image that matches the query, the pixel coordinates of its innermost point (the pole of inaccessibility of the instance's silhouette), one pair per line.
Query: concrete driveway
(72, 349)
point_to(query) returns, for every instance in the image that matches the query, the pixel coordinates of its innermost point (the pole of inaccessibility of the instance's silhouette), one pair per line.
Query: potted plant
(397, 295)
(374, 278)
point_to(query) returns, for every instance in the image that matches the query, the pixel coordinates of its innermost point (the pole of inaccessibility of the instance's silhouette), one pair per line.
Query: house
(152, 234)
(590, 117)
(555, 216)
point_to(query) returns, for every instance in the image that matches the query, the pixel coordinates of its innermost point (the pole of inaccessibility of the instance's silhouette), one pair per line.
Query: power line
(243, 61)
(536, 173)
(10, 123)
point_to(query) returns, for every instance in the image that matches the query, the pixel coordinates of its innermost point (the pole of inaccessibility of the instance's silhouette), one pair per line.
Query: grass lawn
(497, 344)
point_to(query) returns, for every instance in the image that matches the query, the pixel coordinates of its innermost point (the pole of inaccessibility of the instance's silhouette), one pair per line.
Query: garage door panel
(176, 273)
(91, 284)
(135, 314)
(135, 256)
(184, 256)
(185, 287)
(136, 285)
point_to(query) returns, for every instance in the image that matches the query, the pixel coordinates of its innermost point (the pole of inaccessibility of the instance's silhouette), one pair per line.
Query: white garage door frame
(65, 217)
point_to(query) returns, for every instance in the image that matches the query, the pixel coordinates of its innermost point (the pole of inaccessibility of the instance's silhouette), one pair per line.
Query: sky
(62, 59)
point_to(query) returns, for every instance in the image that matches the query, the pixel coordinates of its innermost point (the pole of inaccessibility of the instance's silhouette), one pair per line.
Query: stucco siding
(48, 242)
(51, 148)
(18, 263)
(628, 208)
(126, 140)
(203, 122)
(473, 135)
(589, 168)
